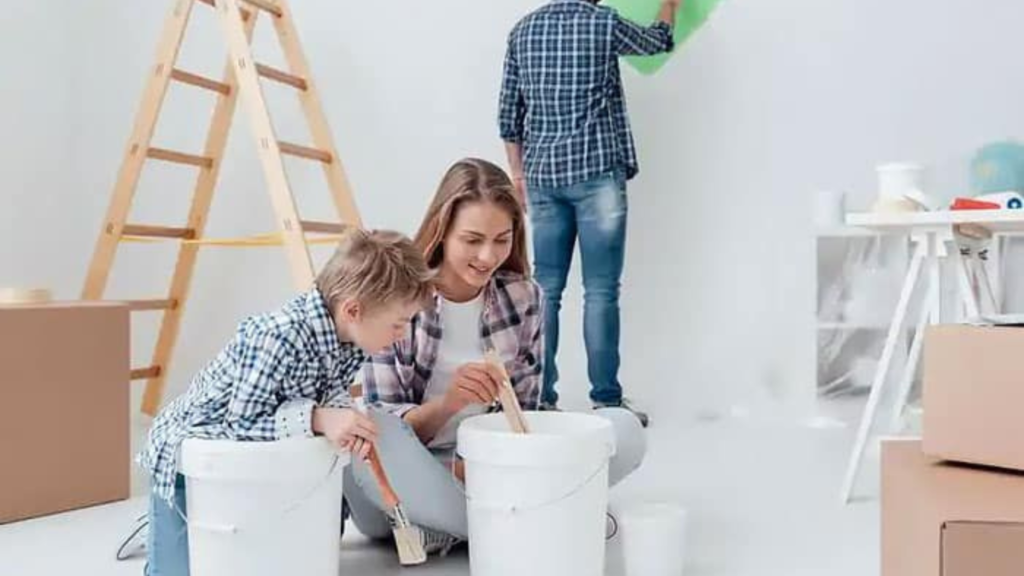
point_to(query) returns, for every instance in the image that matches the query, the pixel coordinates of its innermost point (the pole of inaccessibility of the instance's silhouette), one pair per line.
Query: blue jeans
(595, 212)
(167, 542)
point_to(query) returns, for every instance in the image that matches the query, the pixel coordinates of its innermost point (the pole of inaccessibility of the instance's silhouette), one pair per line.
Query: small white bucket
(537, 502)
(653, 539)
(829, 209)
(263, 508)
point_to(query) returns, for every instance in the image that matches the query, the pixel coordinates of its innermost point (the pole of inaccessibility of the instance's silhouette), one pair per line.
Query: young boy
(287, 374)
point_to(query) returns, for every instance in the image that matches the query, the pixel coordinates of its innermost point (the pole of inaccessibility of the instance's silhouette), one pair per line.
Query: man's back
(562, 96)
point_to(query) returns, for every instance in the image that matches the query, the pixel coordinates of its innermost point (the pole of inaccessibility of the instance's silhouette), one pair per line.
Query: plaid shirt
(511, 324)
(562, 97)
(262, 386)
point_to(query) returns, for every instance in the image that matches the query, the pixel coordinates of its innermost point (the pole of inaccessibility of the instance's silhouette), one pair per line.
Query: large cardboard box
(983, 549)
(923, 497)
(974, 395)
(64, 407)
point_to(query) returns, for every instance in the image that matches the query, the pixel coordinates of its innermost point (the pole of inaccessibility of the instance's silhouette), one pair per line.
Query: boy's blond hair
(375, 268)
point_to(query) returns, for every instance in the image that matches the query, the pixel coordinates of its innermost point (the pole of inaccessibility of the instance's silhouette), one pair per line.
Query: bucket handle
(232, 529)
(512, 509)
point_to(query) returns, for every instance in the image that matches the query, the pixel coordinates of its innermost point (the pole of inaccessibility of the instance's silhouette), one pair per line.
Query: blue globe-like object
(998, 167)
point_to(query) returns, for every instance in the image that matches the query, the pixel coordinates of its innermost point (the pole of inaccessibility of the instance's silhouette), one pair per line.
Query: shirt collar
(324, 333)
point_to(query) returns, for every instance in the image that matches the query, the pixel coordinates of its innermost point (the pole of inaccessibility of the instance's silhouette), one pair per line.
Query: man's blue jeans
(595, 212)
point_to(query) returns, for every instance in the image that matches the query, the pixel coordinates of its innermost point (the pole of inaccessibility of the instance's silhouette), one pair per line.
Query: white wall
(35, 121)
(771, 101)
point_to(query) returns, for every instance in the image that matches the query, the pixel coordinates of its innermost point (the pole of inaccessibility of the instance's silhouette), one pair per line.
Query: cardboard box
(982, 548)
(64, 407)
(974, 395)
(921, 495)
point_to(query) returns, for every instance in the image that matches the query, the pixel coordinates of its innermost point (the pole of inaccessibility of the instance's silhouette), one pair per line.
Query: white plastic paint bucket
(537, 502)
(653, 539)
(263, 508)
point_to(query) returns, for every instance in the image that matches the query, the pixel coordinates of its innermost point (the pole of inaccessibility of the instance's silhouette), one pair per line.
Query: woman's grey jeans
(431, 496)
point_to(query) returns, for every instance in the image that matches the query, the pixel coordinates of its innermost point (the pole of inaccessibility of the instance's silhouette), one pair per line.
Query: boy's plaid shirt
(262, 386)
(511, 324)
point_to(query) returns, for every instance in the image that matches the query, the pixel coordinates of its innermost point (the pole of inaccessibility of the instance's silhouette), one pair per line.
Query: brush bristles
(409, 544)
(408, 539)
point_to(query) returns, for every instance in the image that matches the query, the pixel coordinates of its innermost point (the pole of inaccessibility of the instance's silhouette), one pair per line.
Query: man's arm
(511, 112)
(514, 151)
(631, 39)
(668, 11)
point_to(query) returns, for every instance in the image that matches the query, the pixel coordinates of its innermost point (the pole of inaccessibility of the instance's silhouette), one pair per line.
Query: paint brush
(507, 396)
(408, 537)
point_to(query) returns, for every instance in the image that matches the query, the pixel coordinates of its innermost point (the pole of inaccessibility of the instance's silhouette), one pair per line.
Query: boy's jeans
(595, 211)
(167, 542)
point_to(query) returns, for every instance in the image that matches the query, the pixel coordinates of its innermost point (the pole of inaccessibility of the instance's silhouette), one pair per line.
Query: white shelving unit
(858, 278)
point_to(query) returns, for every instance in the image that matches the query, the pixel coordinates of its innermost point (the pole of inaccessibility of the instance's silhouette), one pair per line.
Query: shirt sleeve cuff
(341, 399)
(294, 418)
(664, 28)
(399, 410)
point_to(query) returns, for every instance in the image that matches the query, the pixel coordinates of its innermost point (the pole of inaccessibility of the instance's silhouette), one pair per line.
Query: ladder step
(305, 152)
(245, 13)
(158, 231)
(265, 5)
(179, 157)
(140, 305)
(324, 227)
(281, 76)
(201, 82)
(144, 373)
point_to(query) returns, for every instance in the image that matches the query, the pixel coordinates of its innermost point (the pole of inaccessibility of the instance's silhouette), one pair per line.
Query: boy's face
(375, 329)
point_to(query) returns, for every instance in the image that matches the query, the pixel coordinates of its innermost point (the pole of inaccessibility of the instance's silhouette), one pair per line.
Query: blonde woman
(473, 236)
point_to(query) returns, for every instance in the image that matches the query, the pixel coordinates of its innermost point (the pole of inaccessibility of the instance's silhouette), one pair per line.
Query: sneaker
(135, 543)
(548, 407)
(437, 542)
(345, 513)
(627, 405)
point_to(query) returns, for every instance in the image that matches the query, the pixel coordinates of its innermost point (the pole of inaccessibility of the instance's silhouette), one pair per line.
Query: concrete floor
(761, 492)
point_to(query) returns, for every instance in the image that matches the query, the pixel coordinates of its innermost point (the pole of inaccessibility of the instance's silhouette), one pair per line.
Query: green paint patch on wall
(691, 17)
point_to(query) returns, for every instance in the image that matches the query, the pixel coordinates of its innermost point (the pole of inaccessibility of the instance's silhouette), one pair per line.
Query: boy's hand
(474, 383)
(346, 428)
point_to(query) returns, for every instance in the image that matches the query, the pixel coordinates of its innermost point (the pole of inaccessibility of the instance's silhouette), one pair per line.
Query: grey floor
(761, 491)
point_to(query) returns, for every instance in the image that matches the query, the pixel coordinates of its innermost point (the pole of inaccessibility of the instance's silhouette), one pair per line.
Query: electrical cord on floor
(122, 554)
(615, 526)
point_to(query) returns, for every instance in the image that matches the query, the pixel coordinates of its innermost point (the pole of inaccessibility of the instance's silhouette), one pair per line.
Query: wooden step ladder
(241, 76)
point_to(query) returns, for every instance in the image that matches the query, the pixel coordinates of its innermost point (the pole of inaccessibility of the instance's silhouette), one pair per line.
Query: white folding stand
(962, 235)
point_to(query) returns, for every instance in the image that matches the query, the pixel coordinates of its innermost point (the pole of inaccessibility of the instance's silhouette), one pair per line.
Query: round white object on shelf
(21, 296)
(897, 180)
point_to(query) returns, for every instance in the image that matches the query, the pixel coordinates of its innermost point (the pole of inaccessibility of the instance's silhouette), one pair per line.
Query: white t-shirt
(460, 325)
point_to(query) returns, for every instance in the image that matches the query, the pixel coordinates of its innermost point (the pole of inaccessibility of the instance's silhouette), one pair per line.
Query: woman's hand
(347, 429)
(473, 383)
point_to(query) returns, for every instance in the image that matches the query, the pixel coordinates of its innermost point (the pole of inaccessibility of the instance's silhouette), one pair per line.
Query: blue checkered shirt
(263, 386)
(561, 96)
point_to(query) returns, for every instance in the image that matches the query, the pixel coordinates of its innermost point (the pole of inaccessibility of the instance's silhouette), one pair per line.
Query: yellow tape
(254, 241)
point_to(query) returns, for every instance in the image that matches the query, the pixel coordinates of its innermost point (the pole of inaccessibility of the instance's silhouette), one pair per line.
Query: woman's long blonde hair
(472, 180)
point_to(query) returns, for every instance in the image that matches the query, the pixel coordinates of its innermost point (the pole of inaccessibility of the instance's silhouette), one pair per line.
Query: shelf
(854, 326)
(845, 232)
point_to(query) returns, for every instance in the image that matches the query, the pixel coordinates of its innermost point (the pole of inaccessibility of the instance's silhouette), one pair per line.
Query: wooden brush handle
(387, 493)
(507, 396)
